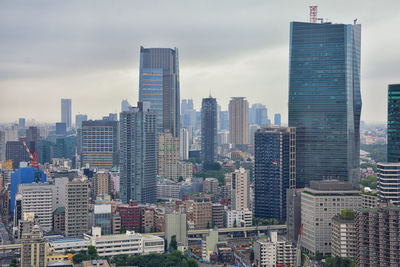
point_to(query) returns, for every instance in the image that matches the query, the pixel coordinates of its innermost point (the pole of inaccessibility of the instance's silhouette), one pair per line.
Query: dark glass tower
(209, 130)
(393, 123)
(274, 170)
(325, 100)
(159, 85)
(138, 154)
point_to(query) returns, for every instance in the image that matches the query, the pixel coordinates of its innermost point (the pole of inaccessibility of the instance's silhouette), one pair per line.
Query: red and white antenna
(313, 14)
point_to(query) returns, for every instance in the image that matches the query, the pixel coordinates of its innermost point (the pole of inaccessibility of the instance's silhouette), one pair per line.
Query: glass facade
(159, 85)
(393, 123)
(209, 130)
(325, 100)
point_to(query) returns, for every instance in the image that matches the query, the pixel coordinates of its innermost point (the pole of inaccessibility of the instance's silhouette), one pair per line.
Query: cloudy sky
(88, 51)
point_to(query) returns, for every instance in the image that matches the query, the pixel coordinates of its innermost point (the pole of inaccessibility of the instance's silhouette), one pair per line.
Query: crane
(298, 248)
(33, 160)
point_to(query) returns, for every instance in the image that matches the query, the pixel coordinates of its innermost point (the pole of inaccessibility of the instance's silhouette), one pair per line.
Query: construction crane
(313, 14)
(298, 247)
(33, 160)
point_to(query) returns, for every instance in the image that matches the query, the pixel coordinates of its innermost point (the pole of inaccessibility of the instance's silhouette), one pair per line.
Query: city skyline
(97, 75)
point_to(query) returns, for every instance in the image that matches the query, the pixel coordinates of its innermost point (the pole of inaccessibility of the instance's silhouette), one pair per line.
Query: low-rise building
(238, 218)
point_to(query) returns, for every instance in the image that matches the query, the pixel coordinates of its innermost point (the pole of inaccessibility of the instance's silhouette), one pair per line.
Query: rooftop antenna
(313, 14)
(210, 93)
(355, 21)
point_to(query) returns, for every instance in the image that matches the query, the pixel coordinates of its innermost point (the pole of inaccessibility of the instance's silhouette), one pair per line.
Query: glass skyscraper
(209, 130)
(159, 85)
(66, 112)
(325, 100)
(393, 123)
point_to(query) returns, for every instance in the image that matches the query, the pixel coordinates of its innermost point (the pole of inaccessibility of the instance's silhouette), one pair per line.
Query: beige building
(168, 152)
(210, 186)
(101, 183)
(343, 235)
(77, 207)
(369, 200)
(201, 210)
(238, 126)
(33, 249)
(240, 189)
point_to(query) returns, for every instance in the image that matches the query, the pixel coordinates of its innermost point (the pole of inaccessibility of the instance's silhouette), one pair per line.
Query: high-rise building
(188, 114)
(32, 138)
(325, 100)
(3, 146)
(101, 183)
(209, 130)
(274, 170)
(79, 118)
(21, 123)
(61, 128)
(100, 140)
(76, 207)
(258, 114)
(393, 123)
(277, 119)
(138, 150)
(168, 153)
(16, 152)
(319, 204)
(377, 236)
(224, 120)
(66, 112)
(238, 126)
(159, 85)
(184, 144)
(33, 248)
(389, 182)
(125, 105)
(240, 189)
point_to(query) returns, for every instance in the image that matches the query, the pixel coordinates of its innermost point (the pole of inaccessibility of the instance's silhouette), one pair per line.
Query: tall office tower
(66, 112)
(319, 204)
(76, 207)
(33, 248)
(393, 123)
(168, 153)
(125, 105)
(61, 128)
(377, 236)
(209, 130)
(184, 144)
(389, 182)
(277, 119)
(159, 85)
(252, 130)
(240, 189)
(111, 117)
(224, 120)
(79, 118)
(32, 138)
(11, 133)
(188, 114)
(138, 154)
(238, 108)
(101, 183)
(325, 100)
(258, 114)
(21, 123)
(100, 140)
(3, 146)
(38, 198)
(16, 152)
(274, 170)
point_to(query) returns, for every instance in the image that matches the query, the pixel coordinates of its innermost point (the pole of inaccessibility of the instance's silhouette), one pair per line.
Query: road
(3, 234)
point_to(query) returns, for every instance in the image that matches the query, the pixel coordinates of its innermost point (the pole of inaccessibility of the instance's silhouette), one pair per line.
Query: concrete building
(102, 217)
(66, 112)
(59, 219)
(238, 126)
(167, 189)
(377, 236)
(101, 183)
(389, 183)
(369, 200)
(217, 215)
(33, 249)
(76, 207)
(274, 251)
(238, 218)
(175, 224)
(168, 153)
(202, 213)
(320, 202)
(209, 130)
(343, 235)
(184, 144)
(240, 189)
(293, 214)
(210, 186)
(79, 118)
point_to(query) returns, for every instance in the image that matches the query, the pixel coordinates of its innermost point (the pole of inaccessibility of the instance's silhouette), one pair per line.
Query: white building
(319, 204)
(238, 217)
(130, 243)
(240, 189)
(389, 182)
(184, 144)
(343, 237)
(273, 251)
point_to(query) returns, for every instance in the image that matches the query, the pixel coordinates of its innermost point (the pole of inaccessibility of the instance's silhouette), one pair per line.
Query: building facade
(168, 153)
(325, 100)
(393, 123)
(240, 189)
(209, 130)
(66, 112)
(159, 85)
(388, 185)
(274, 170)
(138, 154)
(238, 118)
(101, 183)
(33, 249)
(184, 144)
(343, 235)
(79, 118)
(76, 207)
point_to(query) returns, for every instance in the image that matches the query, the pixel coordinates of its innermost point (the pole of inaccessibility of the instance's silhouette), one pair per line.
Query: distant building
(167, 189)
(258, 114)
(210, 186)
(131, 218)
(369, 200)
(393, 123)
(16, 152)
(277, 120)
(21, 123)
(238, 126)
(125, 105)
(319, 204)
(2, 146)
(224, 120)
(209, 130)
(188, 114)
(66, 112)
(168, 153)
(76, 207)
(79, 118)
(184, 144)
(32, 138)
(389, 182)
(240, 194)
(61, 129)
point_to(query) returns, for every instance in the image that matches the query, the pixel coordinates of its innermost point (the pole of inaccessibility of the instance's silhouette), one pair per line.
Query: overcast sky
(89, 51)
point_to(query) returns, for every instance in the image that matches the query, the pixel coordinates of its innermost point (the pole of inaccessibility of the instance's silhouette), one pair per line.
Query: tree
(13, 263)
(234, 223)
(208, 225)
(92, 252)
(80, 256)
(180, 179)
(173, 244)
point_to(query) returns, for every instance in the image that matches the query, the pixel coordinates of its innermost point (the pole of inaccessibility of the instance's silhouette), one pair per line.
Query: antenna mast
(313, 14)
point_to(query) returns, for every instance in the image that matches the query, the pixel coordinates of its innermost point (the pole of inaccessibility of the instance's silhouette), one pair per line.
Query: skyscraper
(240, 195)
(274, 170)
(258, 114)
(32, 138)
(238, 109)
(76, 207)
(325, 100)
(393, 123)
(79, 118)
(159, 85)
(183, 144)
(66, 112)
(277, 119)
(138, 154)
(21, 123)
(209, 130)
(188, 114)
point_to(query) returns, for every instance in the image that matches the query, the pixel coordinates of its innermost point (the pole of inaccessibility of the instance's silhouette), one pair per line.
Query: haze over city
(89, 52)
